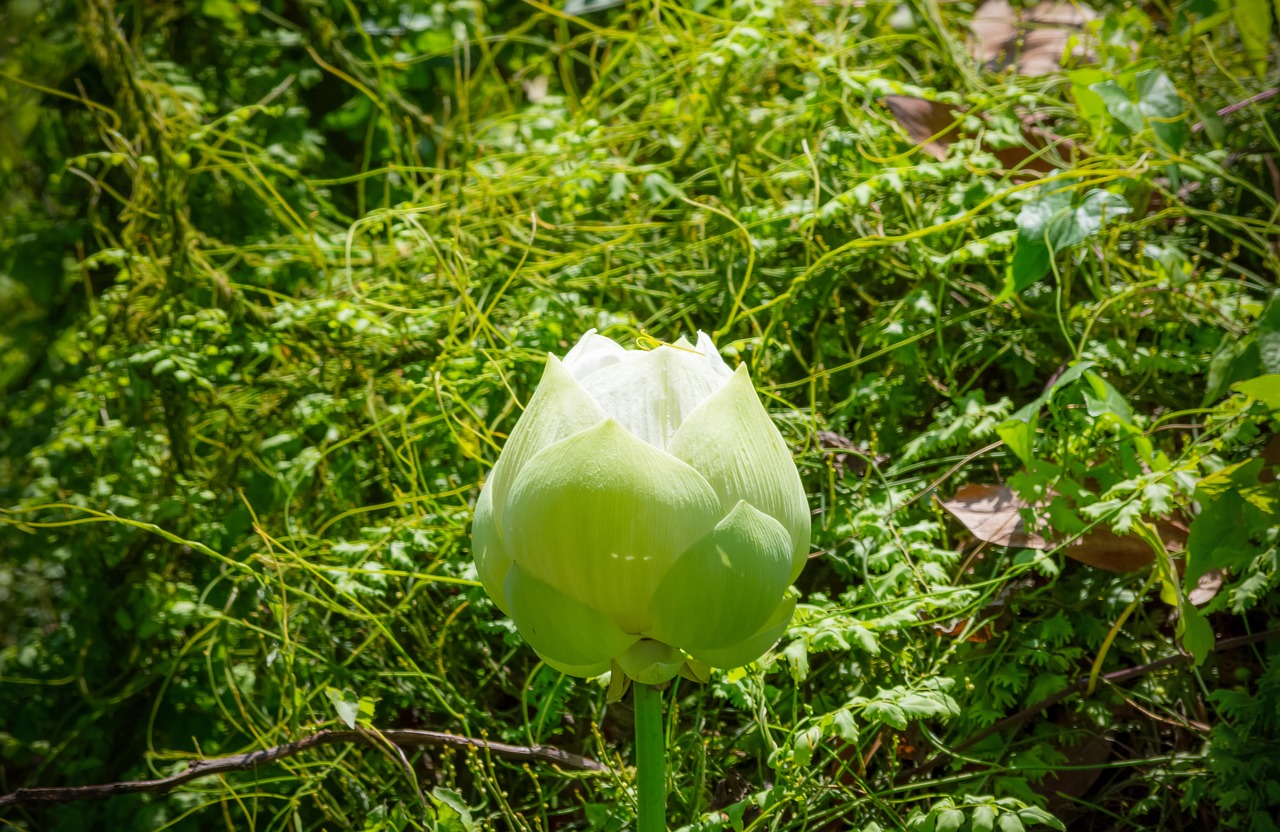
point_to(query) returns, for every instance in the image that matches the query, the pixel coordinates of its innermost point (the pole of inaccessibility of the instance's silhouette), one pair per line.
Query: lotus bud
(644, 516)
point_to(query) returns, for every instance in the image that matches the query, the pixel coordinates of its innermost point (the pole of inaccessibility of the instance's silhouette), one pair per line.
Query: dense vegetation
(277, 276)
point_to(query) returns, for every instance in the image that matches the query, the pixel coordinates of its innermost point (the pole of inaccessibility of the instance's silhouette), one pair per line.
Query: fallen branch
(1080, 684)
(1239, 105)
(252, 759)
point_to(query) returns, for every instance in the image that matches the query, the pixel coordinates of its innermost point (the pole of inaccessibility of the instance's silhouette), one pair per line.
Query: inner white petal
(651, 393)
(712, 356)
(592, 352)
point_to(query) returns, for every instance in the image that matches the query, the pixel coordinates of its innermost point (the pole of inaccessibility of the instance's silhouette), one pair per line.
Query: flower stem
(651, 759)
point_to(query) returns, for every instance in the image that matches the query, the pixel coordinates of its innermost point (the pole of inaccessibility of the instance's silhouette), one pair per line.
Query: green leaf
(1119, 105)
(1053, 223)
(581, 7)
(1253, 21)
(1158, 106)
(1010, 822)
(1163, 108)
(1019, 431)
(225, 10)
(1088, 101)
(1107, 401)
(983, 819)
(1230, 478)
(453, 814)
(1195, 632)
(1236, 508)
(845, 728)
(1218, 538)
(354, 112)
(886, 712)
(805, 742)
(921, 705)
(1034, 814)
(346, 704)
(1265, 389)
(949, 820)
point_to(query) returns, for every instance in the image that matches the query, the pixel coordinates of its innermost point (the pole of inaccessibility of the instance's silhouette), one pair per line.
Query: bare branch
(252, 759)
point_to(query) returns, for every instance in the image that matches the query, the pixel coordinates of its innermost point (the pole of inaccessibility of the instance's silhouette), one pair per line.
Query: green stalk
(651, 759)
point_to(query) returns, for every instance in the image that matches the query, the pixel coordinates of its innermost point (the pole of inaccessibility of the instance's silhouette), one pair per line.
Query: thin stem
(651, 759)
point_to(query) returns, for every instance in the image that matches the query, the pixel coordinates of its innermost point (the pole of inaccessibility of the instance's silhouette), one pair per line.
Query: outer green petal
(727, 585)
(602, 516)
(696, 671)
(585, 671)
(651, 662)
(651, 393)
(752, 648)
(560, 628)
(731, 441)
(559, 409)
(492, 560)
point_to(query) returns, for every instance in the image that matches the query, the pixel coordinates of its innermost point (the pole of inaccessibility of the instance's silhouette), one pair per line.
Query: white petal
(601, 516)
(731, 441)
(592, 352)
(651, 393)
(714, 361)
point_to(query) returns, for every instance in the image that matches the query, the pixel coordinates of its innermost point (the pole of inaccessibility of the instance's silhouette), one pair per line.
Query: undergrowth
(277, 277)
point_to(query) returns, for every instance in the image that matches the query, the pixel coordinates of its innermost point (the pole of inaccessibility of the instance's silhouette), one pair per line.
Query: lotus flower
(645, 515)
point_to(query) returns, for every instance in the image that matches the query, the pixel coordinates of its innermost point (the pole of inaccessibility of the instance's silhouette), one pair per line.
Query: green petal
(584, 671)
(752, 648)
(602, 516)
(731, 441)
(559, 409)
(696, 671)
(725, 588)
(651, 662)
(651, 393)
(492, 560)
(560, 628)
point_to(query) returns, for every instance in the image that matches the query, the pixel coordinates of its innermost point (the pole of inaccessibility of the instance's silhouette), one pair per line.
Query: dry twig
(252, 759)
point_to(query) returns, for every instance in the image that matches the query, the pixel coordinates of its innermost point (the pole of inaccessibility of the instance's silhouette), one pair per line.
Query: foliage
(276, 277)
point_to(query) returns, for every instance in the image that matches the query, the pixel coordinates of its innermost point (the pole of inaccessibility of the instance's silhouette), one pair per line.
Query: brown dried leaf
(930, 124)
(1084, 765)
(1207, 587)
(1270, 458)
(992, 513)
(848, 457)
(1105, 549)
(933, 126)
(1043, 31)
